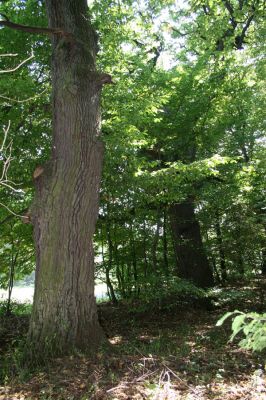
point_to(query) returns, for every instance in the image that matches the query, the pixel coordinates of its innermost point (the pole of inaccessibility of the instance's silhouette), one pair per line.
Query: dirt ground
(168, 354)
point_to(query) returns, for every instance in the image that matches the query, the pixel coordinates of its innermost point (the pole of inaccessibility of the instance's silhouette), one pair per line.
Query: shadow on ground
(165, 354)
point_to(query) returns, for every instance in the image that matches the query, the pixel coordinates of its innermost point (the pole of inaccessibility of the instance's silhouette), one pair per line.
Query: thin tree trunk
(240, 263)
(118, 270)
(156, 241)
(191, 260)
(134, 260)
(109, 267)
(215, 270)
(112, 295)
(216, 275)
(220, 248)
(263, 264)
(11, 280)
(65, 209)
(146, 264)
(165, 244)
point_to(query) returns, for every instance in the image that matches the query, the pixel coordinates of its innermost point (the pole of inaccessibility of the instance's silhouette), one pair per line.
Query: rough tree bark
(65, 208)
(192, 263)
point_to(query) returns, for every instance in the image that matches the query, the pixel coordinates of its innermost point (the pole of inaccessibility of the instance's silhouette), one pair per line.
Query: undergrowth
(169, 293)
(165, 334)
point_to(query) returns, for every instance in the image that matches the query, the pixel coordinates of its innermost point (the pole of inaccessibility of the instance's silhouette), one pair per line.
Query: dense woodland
(173, 172)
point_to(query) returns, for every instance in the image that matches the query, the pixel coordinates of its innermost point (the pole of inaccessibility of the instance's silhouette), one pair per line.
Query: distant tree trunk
(156, 241)
(191, 260)
(65, 209)
(212, 260)
(11, 280)
(109, 266)
(240, 264)
(134, 260)
(146, 264)
(263, 264)
(165, 244)
(215, 271)
(119, 272)
(220, 248)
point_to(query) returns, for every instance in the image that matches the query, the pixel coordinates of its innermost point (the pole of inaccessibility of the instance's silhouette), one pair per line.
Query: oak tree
(65, 208)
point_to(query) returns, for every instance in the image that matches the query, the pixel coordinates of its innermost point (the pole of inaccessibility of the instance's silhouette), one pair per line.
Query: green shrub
(167, 293)
(251, 325)
(17, 308)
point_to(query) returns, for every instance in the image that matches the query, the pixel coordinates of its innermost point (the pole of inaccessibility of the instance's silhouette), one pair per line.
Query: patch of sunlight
(115, 340)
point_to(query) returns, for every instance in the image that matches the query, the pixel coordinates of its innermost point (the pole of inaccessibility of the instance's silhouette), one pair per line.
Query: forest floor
(176, 353)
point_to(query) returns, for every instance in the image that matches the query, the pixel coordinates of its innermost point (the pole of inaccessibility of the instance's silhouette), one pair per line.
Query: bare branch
(6, 158)
(9, 55)
(9, 210)
(9, 184)
(18, 66)
(5, 136)
(22, 101)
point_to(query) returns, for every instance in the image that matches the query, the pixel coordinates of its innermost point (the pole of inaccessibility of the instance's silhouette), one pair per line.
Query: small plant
(17, 309)
(251, 325)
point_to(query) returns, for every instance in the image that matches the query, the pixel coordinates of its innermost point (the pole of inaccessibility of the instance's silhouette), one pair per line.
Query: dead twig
(6, 158)
(144, 376)
(178, 378)
(121, 386)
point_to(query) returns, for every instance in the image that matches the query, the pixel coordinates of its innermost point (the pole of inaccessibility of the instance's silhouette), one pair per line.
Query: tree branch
(230, 9)
(33, 29)
(240, 38)
(8, 55)
(22, 101)
(241, 3)
(18, 66)
(11, 216)
(9, 210)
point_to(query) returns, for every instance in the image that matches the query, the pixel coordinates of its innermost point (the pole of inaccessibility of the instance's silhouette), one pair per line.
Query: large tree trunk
(65, 209)
(192, 263)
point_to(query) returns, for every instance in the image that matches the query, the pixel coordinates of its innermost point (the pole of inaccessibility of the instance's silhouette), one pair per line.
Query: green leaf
(225, 316)
(237, 325)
